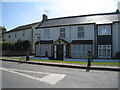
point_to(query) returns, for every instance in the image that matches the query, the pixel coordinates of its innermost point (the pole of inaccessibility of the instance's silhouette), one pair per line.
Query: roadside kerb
(110, 68)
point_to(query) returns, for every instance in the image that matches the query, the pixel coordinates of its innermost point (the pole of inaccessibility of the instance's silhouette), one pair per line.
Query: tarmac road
(17, 75)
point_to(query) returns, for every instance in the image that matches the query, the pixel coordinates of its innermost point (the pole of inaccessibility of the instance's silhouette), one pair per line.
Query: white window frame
(102, 28)
(81, 32)
(62, 33)
(79, 52)
(101, 47)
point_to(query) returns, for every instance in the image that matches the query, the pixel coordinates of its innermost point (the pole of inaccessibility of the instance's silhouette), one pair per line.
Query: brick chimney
(44, 17)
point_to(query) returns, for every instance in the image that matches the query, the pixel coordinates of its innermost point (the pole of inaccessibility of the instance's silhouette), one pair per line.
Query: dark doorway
(60, 52)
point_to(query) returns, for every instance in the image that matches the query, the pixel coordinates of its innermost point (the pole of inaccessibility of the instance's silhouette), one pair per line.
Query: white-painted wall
(115, 38)
(19, 35)
(71, 33)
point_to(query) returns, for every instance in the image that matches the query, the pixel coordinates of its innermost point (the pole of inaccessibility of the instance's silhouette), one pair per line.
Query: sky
(20, 12)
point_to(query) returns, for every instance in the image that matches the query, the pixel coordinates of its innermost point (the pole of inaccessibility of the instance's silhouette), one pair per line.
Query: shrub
(19, 46)
(7, 45)
(22, 45)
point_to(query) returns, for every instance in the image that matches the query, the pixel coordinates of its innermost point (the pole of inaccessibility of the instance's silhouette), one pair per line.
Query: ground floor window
(81, 50)
(43, 49)
(104, 51)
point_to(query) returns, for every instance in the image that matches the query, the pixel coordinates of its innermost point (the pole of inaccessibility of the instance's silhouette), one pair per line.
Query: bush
(7, 45)
(19, 46)
(22, 45)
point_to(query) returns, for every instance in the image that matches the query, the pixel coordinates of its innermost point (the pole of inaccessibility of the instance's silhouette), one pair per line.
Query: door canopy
(60, 41)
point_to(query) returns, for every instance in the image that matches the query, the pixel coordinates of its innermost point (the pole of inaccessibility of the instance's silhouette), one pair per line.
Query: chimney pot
(44, 17)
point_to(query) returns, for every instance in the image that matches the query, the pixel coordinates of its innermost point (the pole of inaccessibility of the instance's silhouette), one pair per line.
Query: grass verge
(81, 63)
(70, 62)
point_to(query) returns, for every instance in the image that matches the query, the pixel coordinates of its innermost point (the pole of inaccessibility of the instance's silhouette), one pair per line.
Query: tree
(2, 31)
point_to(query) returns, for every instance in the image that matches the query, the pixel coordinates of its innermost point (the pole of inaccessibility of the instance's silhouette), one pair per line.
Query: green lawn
(71, 62)
(83, 63)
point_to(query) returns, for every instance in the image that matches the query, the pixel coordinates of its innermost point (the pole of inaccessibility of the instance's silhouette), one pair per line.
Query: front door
(59, 52)
(104, 51)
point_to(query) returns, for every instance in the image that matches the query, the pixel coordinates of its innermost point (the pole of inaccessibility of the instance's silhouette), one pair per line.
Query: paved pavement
(22, 75)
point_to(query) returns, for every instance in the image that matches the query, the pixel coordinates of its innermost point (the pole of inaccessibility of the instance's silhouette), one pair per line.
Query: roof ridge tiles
(84, 15)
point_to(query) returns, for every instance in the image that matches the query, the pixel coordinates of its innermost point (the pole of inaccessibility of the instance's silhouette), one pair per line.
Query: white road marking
(49, 79)
(52, 78)
(28, 71)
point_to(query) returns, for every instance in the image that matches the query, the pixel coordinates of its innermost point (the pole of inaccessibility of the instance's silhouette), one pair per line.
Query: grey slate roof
(23, 27)
(83, 19)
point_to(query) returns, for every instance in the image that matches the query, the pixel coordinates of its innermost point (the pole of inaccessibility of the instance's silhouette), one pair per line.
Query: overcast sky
(21, 12)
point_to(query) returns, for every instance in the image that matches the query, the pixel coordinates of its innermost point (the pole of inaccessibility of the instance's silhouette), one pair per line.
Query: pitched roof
(23, 27)
(61, 40)
(82, 19)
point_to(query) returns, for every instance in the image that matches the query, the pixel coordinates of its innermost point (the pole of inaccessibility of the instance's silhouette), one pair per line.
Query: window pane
(108, 46)
(78, 50)
(9, 36)
(74, 50)
(100, 52)
(108, 51)
(99, 46)
(80, 32)
(104, 30)
(62, 32)
(24, 33)
(46, 33)
(89, 47)
(62, 29)
(85, 50)
(104, 51)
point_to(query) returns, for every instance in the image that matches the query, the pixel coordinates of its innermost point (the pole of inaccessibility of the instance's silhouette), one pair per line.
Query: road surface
(17, 75)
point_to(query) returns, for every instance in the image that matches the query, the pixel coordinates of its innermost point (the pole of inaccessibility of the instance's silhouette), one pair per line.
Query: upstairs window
(104, 30)
(15, 34)
(80, 32)
(9, 36)
(46, 33)
(62, 32)
(24, 33)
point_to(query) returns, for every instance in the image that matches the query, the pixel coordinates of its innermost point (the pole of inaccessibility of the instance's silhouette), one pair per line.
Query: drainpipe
(70, 33)
(32, 40)
(70, 54)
